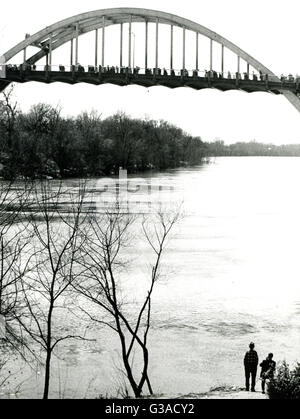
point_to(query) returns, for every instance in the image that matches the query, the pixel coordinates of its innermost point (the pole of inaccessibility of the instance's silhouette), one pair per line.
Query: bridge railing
(91, 69)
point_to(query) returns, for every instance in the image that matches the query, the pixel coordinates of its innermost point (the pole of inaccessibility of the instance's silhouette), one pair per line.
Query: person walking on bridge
(250, 364)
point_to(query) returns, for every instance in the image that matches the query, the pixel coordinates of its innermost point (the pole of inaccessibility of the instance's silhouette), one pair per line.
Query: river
(231, 276)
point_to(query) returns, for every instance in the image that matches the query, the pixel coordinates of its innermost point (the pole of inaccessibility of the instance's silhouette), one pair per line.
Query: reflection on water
(232, 276)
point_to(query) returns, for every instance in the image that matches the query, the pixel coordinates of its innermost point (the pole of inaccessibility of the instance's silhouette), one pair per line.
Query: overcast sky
(267, 30)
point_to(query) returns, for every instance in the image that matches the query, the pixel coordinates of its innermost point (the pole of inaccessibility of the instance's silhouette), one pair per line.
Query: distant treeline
(43, 143)
(252, 148)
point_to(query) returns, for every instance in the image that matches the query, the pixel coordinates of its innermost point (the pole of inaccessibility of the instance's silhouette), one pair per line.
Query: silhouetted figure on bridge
(250, 364)
(268, 367)
(80, 68)
(184, 72)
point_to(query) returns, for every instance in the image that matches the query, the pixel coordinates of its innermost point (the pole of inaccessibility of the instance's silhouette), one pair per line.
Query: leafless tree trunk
(55, 246)
(14, 264)
(99, 282)
(14, 260)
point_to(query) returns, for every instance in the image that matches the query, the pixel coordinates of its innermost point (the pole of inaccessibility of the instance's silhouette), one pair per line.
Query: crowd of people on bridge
(208, 74)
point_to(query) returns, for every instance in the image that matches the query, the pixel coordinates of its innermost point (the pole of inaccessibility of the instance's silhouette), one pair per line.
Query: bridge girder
(65, 30)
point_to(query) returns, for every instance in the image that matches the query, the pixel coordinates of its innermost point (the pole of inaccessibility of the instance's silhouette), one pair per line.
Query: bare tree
(8, 114)
(100, 283)
(14, 264)
(14, 259)
(55, 227)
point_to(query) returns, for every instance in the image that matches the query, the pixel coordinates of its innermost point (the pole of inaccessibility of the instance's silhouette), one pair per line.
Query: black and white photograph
(149, 202)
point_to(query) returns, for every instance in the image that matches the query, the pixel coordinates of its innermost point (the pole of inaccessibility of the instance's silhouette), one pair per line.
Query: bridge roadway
(126, 77)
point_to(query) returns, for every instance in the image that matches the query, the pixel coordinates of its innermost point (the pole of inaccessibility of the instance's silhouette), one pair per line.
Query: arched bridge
(255, 77)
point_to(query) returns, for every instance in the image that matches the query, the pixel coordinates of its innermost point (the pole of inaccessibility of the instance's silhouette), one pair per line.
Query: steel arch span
(68, 30)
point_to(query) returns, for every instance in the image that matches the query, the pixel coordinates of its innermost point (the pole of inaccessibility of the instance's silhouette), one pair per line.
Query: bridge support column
(248, 70)
(76, 44)
(146, 45)
(183, 48)
(267, 81)
(71, 53)
(46, 74)
(129, 42)
(50, 51)
(156, 46)
(24, 52)
(238, 64)
(171, 47)
(197, 51)
(121, 45)
(103, 40)
(96, 48)
(211, 55)
(222, 61)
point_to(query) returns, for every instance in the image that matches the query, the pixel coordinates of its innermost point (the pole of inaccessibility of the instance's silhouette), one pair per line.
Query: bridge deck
(146, 80)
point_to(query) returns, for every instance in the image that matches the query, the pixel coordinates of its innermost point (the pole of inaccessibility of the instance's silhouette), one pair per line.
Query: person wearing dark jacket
(268, 367)
(250, 364)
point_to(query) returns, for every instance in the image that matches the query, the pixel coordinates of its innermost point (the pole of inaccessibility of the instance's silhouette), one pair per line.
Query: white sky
(269, 30)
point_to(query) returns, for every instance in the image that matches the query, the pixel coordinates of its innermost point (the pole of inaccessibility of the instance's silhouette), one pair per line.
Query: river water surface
(232, 275)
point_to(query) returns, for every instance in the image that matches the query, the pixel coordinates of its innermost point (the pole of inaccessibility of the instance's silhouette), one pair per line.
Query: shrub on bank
(286, 383)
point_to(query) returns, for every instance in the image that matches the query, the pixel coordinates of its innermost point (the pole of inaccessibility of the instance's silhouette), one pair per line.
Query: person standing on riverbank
(268, 367)
(250, 364)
